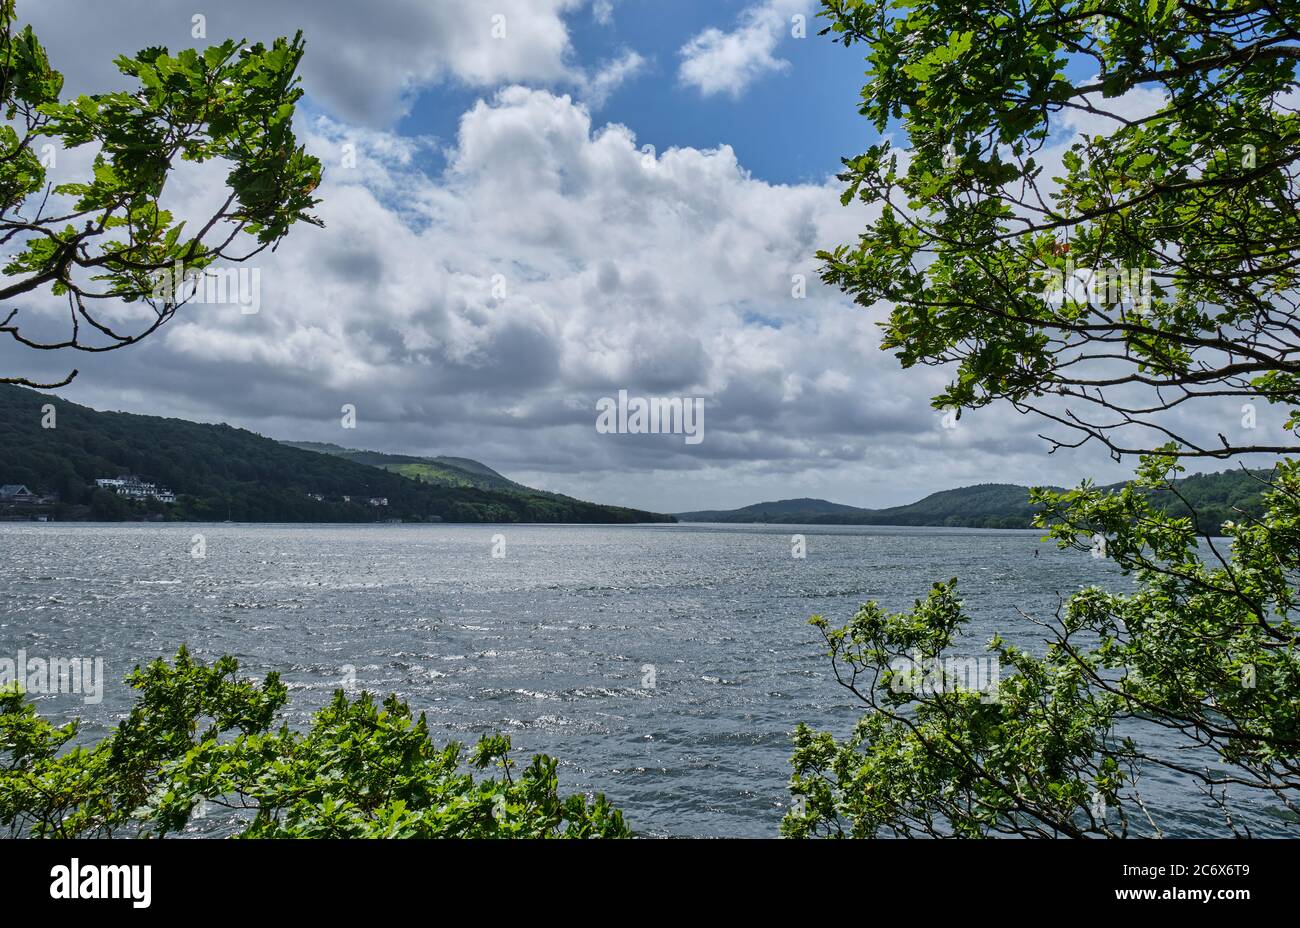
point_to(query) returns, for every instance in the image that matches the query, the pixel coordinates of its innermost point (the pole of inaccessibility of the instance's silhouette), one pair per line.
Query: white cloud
(597, 88)
(364, 60)
(1108, 114)
(717, 62)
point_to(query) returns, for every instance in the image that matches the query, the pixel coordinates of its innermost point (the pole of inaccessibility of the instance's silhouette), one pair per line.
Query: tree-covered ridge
(1214, 498)
(219, 472)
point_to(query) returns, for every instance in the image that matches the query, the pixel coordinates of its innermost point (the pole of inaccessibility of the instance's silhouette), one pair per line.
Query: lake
(665, 665)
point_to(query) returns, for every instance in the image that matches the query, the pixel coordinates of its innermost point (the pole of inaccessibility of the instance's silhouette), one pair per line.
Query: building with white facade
(135, 488)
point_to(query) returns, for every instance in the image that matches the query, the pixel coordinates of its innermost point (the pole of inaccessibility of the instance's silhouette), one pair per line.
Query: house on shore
(16, 493)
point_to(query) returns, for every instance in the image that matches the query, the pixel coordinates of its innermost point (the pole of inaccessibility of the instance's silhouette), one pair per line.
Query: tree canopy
(1147, 265)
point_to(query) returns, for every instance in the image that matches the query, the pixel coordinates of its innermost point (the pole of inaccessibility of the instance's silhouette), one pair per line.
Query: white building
(135, 488)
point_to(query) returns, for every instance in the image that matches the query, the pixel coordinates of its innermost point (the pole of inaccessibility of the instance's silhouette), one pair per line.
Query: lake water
(555, 643)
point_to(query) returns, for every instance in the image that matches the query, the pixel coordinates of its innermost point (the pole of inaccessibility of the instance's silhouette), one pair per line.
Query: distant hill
(767, 512)
(994, 505)
(1215, 498)
(219, 472)
(441, 471)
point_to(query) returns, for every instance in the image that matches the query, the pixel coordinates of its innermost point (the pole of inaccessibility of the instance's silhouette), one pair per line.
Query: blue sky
(789, 126)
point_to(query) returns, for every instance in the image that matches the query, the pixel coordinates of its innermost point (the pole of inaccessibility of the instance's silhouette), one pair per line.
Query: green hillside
(219, 472)
(441, 471)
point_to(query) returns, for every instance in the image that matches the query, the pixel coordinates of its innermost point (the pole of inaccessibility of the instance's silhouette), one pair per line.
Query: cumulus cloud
(484, 310)
(364, 61)
(717, 62)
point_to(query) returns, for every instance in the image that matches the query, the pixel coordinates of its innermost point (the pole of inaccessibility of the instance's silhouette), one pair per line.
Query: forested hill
(1215, 498)
(219, 472)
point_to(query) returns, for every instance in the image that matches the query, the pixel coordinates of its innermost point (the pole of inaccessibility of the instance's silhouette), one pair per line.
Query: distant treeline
(1214, 498)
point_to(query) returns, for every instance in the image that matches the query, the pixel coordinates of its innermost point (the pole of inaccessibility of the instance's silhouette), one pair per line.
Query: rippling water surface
(551, 643)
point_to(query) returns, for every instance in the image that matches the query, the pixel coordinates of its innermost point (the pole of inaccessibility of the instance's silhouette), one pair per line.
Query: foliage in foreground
(1208, 649)
(1095, 221)
(199, 737)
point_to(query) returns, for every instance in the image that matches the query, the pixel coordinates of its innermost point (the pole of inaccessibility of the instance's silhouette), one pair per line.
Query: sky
(531, 205)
